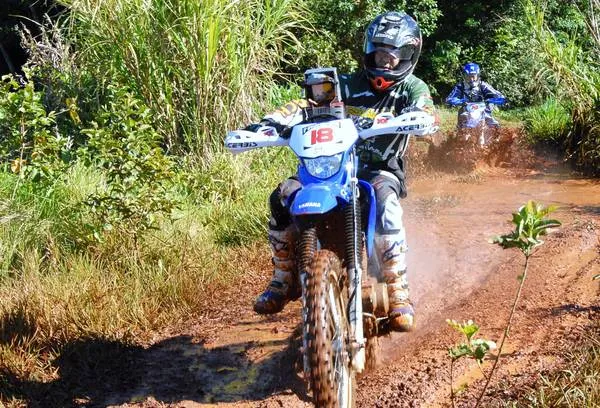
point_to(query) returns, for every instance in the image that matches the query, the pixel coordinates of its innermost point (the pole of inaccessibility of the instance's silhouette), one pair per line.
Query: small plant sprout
(530, 224)
(473, 347)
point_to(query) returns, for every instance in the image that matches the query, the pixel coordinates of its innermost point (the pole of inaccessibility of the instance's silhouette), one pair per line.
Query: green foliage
(30, 145)
(467, 31)
(66, 87)
(506, 63)
(201, 67)
(549, 122)
(530, 223)
(473, 347)
(569, 50)
(338, 30)
(125, 146)
(445, 53)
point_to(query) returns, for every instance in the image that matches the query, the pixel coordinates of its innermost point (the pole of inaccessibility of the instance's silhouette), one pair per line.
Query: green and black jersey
(361, 100)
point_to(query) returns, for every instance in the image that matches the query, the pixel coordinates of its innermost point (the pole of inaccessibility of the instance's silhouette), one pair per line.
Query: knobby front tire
(332, 379)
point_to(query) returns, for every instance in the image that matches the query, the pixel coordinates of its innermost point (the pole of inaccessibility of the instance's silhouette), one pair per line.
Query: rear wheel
(326, 333)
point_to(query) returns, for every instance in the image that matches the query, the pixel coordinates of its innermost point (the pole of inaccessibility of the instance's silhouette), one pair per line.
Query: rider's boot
(392, 251)
(284, 283)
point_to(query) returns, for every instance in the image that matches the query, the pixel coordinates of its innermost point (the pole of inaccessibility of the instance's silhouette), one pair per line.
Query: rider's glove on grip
(362, 122)
(253, 127)
(282, 130)
(457, 101)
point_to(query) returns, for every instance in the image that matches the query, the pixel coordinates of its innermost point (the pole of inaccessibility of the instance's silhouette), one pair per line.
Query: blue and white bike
(473, 120)
(344, 310)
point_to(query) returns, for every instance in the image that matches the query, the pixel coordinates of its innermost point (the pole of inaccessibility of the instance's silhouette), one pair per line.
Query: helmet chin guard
(379, 83)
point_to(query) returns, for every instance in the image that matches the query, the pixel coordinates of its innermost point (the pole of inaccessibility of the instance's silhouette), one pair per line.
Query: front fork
(354, 244)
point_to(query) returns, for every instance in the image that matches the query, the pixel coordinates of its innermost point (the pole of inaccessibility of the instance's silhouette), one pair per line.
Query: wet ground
(232, 357)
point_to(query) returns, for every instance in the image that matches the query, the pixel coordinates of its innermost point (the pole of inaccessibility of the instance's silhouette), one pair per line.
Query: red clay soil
(233, 357)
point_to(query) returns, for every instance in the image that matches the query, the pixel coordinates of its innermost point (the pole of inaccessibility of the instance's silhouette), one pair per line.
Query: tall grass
(58, 285)
(203, 66)
(548, 122)
(574, 65)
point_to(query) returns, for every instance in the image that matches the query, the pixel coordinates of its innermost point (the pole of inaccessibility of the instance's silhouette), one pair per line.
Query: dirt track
(232, 357)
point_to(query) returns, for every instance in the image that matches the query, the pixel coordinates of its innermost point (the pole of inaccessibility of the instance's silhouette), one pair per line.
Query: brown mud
(459, 197)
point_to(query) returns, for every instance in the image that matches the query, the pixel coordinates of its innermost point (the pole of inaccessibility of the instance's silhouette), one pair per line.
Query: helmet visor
(403, 53)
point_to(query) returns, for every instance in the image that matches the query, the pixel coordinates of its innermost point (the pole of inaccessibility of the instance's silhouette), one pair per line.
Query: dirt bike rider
(473, 89)
(391, 49)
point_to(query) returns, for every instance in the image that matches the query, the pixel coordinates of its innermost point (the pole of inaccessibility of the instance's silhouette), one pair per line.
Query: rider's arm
(456, 95)
(419, 96)
(420, 99)
(491, 95)
(283, 118)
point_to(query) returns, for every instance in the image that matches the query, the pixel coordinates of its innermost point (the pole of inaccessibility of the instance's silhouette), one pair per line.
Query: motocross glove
(362, 122)
(282, 130)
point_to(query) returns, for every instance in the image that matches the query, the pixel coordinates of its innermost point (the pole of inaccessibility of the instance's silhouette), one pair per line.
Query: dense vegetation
(111, 166)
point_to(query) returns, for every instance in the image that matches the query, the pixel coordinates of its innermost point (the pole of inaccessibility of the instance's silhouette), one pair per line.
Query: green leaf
(459, 351)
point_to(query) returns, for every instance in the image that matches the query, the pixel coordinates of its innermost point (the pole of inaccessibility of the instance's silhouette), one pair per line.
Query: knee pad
(278, 203)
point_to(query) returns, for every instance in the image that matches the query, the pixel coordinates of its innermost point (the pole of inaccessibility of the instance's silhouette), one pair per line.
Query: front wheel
(326, 333)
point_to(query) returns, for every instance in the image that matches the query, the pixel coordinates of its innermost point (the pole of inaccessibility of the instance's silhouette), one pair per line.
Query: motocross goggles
(403, 53)
(323, 92)
(472, 77)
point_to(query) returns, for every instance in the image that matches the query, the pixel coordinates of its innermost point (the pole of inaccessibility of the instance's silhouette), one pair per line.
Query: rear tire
(326, 332)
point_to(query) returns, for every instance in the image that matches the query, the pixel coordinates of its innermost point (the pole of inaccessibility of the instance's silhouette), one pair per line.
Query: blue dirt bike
(473, 120)
(344, 310)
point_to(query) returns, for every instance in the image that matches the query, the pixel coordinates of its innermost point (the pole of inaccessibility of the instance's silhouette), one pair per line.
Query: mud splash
(505, 149)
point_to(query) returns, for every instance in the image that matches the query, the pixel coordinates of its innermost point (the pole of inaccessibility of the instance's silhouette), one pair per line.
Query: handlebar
(489, 101)
(417, 123)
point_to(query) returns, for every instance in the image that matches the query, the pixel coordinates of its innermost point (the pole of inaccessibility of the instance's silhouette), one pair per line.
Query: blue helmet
(471, 73)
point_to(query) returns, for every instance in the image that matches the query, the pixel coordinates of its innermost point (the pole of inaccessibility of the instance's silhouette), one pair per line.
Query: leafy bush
(30, 145)
(126, 147)
(444, 54)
